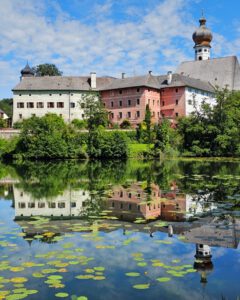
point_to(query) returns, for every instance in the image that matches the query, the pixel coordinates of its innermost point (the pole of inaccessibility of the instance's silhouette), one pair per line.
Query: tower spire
(202, 38)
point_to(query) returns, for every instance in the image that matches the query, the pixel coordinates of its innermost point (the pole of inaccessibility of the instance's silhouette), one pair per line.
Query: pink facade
(130, 104)
(173, 102)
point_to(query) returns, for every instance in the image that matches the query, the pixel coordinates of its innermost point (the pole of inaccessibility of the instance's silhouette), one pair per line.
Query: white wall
(199, 96)
(67, 112)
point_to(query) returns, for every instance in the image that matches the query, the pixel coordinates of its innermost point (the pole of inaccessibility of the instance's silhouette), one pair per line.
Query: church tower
(202, 38)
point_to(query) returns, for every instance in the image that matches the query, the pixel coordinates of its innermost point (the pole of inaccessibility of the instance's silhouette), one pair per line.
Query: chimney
(150, 72)
(93, 80)
(123, 75)
(169, 77)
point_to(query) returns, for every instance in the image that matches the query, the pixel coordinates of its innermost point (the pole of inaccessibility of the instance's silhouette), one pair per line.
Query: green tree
(47, 69)
(48, 138)
(147, 120)
(6, 105)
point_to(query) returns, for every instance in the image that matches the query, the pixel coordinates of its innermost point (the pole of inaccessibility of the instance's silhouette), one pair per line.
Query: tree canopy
(47, 69)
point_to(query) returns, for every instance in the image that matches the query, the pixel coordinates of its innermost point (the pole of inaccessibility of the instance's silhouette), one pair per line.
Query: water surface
(118, 230)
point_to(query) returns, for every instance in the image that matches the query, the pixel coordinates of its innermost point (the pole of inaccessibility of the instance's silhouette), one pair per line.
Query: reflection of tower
(203, 263)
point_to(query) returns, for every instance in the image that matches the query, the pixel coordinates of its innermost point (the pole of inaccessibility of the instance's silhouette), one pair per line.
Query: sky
(109, 36)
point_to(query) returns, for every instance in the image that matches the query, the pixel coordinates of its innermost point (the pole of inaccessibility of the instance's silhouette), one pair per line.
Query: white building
(62, 95)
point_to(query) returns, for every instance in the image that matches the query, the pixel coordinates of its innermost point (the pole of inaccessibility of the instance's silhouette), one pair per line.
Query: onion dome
(202, 36)
(27, 71)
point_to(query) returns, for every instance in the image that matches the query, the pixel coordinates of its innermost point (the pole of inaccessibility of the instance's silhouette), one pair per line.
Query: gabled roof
(218, 71)
(60, 83)
(135, 81)
(159, 82)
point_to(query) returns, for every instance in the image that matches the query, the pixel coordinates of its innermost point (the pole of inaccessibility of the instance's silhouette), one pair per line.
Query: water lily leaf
(99, 277)
(163, 279)
(84, 277)
(62, 295)
(142, 264)
(82, 298)
(132, 274)
(18, 279)
(37, 275)
(99, 268)
(141, 286)
(16, 269)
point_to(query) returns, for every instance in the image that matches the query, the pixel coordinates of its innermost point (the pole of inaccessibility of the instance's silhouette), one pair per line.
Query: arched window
(200, 58)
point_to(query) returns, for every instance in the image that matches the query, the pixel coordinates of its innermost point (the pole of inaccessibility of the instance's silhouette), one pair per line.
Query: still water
(134, 230)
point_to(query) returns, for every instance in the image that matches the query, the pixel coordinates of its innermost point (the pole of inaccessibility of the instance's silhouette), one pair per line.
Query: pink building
(169, 96)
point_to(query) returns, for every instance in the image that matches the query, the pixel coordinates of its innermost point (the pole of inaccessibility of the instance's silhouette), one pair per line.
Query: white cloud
(40, 32)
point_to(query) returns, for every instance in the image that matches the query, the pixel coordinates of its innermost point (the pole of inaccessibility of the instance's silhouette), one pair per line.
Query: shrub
(79, 124)
(125, 124)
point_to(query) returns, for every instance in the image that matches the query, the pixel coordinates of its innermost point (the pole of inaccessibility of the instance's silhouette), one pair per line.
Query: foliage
(79, 124)
(3, 123)
(125, 124)
(6, 106)
(94, 111)
(139, 150)
(213, 131)
(102, 144)
(147, 121)
(7, 146)
(47, 70)
(48, 138)
(166, 138)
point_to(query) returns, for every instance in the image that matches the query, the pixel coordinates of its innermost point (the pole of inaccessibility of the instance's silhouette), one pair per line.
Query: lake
(120, 230)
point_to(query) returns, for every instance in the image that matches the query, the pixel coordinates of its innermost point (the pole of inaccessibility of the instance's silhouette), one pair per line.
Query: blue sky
(109, 36)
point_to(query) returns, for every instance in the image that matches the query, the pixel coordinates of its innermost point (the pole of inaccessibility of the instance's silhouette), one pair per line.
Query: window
(33, 115)
(61, 204)
(21, 205)
(153, 102)
(120, 103)
(138, 101)
(176, 90)
(112, 115)
(31, 205)
(120, 92)
(129, 102)
(200, 50)
(120, 115)
(190, 102)
(148, 90)
(129, 114)
(72, 105)
(60, 104)
(20, 116)
(112, 104)
(40, 105)
(60, 94)
(138, 207)
(41, 204)
(138, 114)
(20, 105)
(71, 94)
(163, 103)
(176, 114)
(30, 95)
(73, 204)
(158, 103)
(121, 205)
(148, 101)
(83, 116)
(139, 195)
(153, 114)
(20, 95)
(176, 102)
(138, 90)
(113, 204)
(50, 104)
(130, 206)
(205, 50)
(50, 94)
(51, 205)
(121, 194)
(129, 195)
(82, 105)
(30, 105)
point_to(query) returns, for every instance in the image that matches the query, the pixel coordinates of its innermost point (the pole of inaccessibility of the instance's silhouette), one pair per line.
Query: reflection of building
(203, 263)
(138, 201)
(69, 203)
(134, 202)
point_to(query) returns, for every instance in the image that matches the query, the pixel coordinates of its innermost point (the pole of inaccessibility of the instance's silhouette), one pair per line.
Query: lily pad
(141, 286)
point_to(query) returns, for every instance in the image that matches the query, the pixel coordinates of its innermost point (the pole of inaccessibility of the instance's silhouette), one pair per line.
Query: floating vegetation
(132, 274)
(141, 286)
